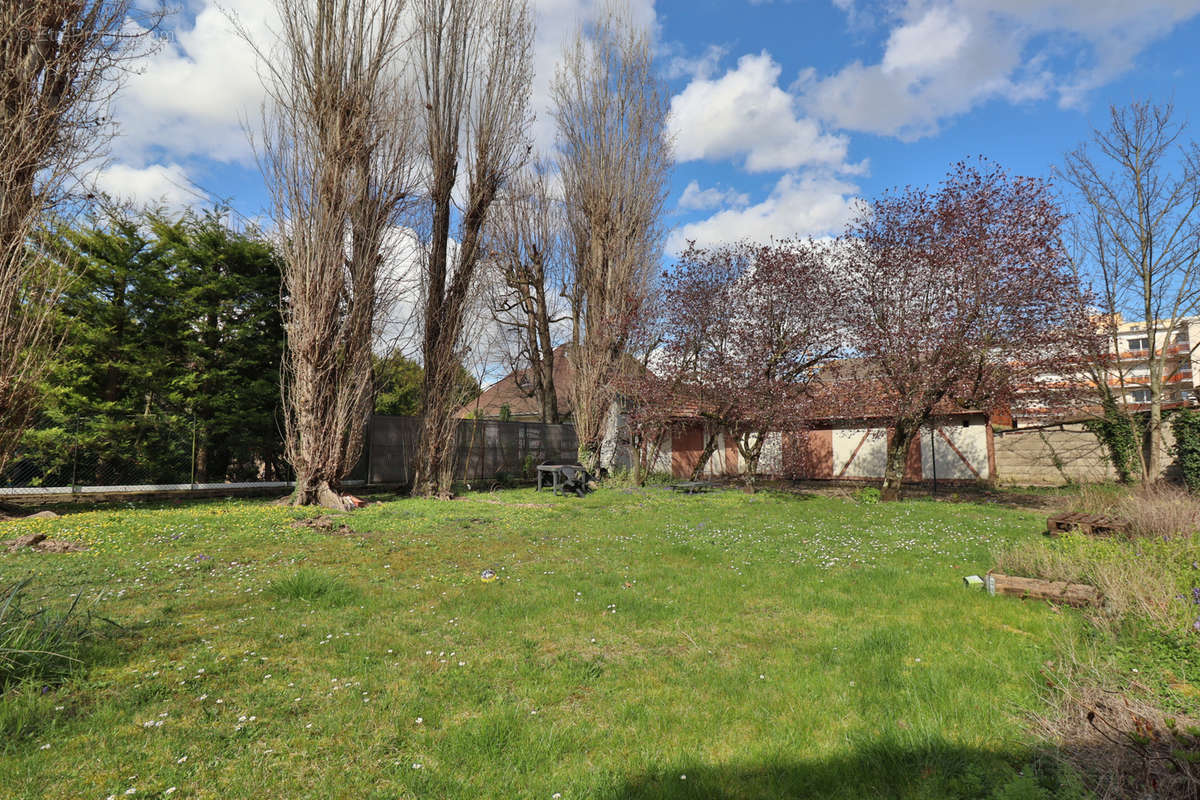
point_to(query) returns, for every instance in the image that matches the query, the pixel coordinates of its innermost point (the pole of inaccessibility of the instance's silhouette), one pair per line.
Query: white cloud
(798, 205)
(158, 184)
(678, 64)
(745, 114)
(924, 45)
(696, 199)
(944, 57)
(193, 98)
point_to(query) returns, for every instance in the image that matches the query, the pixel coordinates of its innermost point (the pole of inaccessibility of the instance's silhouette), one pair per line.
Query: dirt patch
(38, 515)
(1043, 502)
(39, 542)
(326, 523)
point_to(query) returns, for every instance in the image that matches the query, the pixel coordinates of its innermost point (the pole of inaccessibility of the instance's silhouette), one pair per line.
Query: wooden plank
(1072, 594)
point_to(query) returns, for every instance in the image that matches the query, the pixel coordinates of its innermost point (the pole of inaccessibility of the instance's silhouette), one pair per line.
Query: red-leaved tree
(747, 328)
(961, 296)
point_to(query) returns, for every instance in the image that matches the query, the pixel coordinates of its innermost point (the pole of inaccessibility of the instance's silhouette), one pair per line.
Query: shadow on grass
(883, 769)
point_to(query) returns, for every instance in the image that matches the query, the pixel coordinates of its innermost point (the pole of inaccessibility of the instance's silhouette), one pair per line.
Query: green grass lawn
(637, 645)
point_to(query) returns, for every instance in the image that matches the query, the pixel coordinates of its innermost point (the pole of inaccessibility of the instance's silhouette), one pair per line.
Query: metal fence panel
(484, 450)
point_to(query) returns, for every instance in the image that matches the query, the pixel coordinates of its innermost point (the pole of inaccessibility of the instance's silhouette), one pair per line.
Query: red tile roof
(516, 391)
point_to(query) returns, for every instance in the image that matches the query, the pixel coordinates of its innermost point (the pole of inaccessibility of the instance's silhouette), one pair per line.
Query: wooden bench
(1089, 524)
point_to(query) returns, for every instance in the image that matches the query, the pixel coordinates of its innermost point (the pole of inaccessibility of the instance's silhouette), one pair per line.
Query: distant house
(516, 391)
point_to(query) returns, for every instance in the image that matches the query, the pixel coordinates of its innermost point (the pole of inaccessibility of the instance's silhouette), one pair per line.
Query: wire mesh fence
(121, 450)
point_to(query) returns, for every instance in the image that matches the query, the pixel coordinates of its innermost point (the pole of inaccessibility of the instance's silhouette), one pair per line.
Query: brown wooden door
(686, 446)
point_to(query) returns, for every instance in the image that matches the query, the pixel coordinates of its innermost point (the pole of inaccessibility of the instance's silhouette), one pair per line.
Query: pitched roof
(516, 391)
(844, 389)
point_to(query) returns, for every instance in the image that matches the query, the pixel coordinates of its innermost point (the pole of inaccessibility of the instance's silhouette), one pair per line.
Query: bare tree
(337, 155)
(615, 157)
(473, 70)
(1140, 186)
(61, 63)
(525, 245)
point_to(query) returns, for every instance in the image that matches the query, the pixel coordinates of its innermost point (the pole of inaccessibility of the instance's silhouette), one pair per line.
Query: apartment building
(1130, 373)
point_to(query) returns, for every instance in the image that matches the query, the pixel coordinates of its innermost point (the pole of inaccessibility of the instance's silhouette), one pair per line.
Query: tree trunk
(319, 493)
(710, 446)
(1153, 441)
(751, 453)
(546, 365)
(897, 459)
(648, 450)
(433, 467)
(202, 463)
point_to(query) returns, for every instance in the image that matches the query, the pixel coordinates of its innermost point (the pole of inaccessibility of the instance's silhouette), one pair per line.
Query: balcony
(1180, 349)
(1142, 381)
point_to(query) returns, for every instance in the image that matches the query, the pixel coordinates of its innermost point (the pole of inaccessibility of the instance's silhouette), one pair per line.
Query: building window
(1141, 395)
(1139, 344)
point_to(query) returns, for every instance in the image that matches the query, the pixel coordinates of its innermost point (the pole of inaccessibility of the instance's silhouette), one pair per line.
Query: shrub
(1186, 427)
(1154, 510)
(312, 586)
(867, 495)
(38, 644)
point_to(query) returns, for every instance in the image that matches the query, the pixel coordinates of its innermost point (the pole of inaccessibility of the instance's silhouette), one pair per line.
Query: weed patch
(312, 586)
(39, 644)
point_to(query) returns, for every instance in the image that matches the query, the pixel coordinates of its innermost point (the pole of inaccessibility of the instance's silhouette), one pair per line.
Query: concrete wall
(1055, 456)
(1051, 456)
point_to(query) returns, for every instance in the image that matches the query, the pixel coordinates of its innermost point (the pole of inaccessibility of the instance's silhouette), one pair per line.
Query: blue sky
(783, 112)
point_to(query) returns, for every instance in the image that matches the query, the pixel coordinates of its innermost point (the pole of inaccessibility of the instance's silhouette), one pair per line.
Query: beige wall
(1054, 456)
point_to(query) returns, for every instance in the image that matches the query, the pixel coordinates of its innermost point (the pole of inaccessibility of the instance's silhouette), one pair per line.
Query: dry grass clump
(1146, 574)
(1155, 510)
(1123, 744)
(1150, 579)
(1137, 578)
